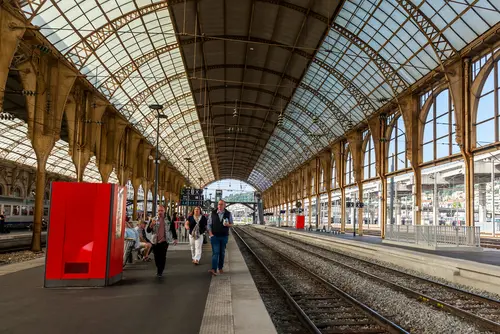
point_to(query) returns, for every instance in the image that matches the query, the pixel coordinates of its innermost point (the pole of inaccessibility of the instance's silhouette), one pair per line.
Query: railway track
(482, 311)
(16, 242)
(321, 306)
(282, 311)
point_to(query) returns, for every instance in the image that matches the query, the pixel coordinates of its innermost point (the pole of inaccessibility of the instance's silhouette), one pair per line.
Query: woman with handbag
(196, 226)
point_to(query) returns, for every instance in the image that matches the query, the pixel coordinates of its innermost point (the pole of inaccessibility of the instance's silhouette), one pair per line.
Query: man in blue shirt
(219, 222)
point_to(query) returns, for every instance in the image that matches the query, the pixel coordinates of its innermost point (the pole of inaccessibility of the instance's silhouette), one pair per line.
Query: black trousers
(160, 252)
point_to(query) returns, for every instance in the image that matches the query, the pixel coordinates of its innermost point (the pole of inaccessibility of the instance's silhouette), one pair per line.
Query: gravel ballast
(324, 306)
(408, 313)
(21, 256)
(331, 245)
(455, 298)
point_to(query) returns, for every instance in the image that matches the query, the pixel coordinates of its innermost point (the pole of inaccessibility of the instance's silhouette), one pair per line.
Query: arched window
(439, 129)
(1, 190)
(396, 159)
(487, 115)
(349, 170)
(16, 192)
(334, 174)
(369, 170)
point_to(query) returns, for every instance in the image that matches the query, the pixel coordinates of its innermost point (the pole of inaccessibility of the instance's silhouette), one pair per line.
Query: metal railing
(183, 234)
(434, 236)
(128, 248)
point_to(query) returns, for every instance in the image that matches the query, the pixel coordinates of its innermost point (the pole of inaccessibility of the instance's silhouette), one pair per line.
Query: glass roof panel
(108, 40)
(15, 146)
(371, 43)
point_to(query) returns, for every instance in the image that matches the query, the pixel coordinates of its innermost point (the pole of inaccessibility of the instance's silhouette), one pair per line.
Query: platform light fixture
(189, 161)
(156, 108)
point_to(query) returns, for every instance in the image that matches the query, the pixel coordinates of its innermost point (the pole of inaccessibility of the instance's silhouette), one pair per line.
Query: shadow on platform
(140, 303)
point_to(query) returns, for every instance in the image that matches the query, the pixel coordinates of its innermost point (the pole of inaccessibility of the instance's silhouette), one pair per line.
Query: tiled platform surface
(480, 270)
(234, 304)
(187, 300)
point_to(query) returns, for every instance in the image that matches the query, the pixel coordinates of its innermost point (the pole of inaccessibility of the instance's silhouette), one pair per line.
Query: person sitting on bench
(145, 244)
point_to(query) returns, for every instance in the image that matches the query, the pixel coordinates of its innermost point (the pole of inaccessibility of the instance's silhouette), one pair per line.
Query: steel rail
(477, 319)
(385, 323)
(298, 310)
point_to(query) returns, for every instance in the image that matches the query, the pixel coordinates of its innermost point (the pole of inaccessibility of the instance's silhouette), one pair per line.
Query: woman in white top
(196, 225)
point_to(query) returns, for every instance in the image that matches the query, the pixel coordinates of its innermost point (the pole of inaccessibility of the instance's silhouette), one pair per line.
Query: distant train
(19, 213)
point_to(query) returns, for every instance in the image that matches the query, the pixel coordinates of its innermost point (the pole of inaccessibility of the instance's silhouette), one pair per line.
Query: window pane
(489, 84)
(442, 103)
(442, 126)
(443, 147)
(485, 133)
(428, 132)
(428, 152)
(401, 161)
(485, 109)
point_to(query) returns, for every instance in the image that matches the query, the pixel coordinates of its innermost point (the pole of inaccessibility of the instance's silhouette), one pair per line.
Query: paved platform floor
(186, 300)
(141, 303)
(488, 256)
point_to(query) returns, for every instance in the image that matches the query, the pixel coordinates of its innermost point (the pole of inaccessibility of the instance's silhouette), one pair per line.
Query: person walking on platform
(219, 223)
(163, 232)
(196, 225)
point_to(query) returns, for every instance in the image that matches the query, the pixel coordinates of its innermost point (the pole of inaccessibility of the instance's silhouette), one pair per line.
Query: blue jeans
(218, 251)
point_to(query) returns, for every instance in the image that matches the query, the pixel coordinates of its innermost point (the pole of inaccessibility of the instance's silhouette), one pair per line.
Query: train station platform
(476, 269)
(186, 300)
(487, 256)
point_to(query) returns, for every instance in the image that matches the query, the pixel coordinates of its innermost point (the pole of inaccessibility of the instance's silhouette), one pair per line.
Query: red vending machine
(299, 224)
(85, 237)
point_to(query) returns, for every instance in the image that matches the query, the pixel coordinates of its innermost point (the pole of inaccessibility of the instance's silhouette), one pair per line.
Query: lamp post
(189, 161)
(157, 108)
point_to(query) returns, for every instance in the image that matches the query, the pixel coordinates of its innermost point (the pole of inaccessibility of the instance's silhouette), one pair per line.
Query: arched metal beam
(391, 76)
(236, 178)
(86, 47)
(253, 145)
(90, 43)
(273, 158)
(260, 106)
(441, 46)
(297, 139)
(139, 99)
(284, 98)
(268, 161)
(247, 134)
(284, 153)
(110, 85)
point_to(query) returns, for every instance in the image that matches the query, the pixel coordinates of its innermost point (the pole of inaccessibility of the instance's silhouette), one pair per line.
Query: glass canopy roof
(128, 50)
(373, 51)
(15, 146)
